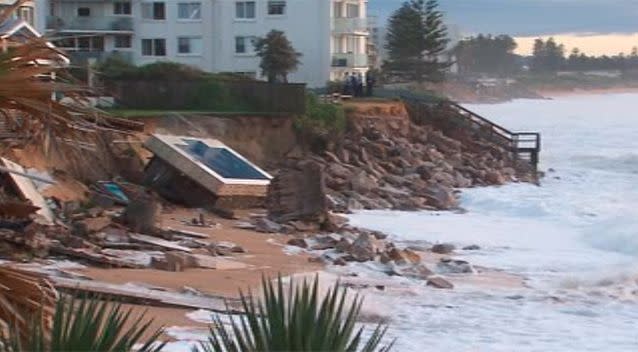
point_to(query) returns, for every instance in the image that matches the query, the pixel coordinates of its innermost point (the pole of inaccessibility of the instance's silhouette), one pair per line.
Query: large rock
(362, 183)
(452, 266)
(298, 194)
(363, 249)
(439, 282)
(441, 197)
(443, 178)
(266, 226)
(338, 170)
(298, 242)
(443, 248)
(495, 178)
(419, 272)
(403, 257)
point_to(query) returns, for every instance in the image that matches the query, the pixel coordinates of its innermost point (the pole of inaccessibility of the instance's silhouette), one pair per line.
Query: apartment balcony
(350, 26)
(82, 57)
(350, 60)
(104, 24)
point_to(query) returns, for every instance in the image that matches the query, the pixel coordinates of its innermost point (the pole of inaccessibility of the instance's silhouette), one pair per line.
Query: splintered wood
(28, 191)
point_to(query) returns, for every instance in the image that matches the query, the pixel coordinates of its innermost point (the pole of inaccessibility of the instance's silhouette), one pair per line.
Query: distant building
(216, 35)
(377, 41)
(26, 11)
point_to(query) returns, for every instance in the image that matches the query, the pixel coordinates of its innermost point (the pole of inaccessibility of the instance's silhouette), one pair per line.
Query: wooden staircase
(524, 146)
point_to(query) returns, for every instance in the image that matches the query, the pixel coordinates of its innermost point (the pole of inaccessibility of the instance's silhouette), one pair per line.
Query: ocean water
(574, 239)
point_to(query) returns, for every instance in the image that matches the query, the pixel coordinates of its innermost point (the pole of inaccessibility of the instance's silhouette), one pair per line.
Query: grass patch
(141, 113)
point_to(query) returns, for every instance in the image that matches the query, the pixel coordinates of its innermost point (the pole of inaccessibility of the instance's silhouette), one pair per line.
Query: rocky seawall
(390, 160)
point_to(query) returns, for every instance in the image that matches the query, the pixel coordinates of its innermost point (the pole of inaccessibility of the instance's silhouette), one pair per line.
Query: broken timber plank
(159, 242)
(217, 263)
(188, 233)
(27, 190)
(94, 258)
(141, 294)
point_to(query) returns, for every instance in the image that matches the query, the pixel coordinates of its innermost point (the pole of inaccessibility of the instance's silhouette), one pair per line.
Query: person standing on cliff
(353, 84)
(370, 81)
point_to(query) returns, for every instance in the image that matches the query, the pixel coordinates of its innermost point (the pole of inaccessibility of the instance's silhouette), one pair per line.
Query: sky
(581, 19)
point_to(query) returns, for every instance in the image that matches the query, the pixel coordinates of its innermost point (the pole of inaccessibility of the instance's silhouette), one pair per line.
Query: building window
(352, 10)
(189, 10)
(25, 13)
(276, 8)
(153, 11)
(84, 11)
(154, 47)
(189, 45)
(122, 8)
(244, 45)
(245, 9)
(123, 41)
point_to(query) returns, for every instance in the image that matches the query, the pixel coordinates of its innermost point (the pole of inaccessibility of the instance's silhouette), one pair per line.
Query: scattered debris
(27, 190)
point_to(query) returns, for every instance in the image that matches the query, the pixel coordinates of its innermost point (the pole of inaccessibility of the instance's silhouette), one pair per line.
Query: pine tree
(539, 56)
(436, 41)
(278, 57)
(405, 43)
(416, 39)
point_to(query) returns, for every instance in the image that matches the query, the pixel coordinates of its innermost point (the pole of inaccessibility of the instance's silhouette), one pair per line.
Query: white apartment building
(216, 35)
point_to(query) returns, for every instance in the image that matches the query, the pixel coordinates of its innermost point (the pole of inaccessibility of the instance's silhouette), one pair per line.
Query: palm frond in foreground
(295, 320)
(84, 324)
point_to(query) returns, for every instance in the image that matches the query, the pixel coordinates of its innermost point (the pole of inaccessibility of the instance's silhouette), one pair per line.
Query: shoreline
(549, 93)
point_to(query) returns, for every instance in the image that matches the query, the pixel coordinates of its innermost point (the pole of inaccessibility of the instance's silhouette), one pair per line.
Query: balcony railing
(103, 24)
(81, 57)
(350, 25)
(350, 60)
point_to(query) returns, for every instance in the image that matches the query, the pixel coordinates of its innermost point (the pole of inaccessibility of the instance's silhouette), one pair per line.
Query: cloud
(532, 17)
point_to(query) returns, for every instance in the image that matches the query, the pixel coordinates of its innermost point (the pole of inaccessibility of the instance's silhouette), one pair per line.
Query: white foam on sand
(575, 238)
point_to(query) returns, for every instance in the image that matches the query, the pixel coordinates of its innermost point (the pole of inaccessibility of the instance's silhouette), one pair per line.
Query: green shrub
(115, 68)
(168, 71)
(326, 116)
(85, 324)
(211, 94)
(297, 319)
(334, 87)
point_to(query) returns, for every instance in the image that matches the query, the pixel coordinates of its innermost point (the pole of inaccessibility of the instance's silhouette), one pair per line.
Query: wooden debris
(210, 262)
(159, 242)
(16, 210)
(28, 191)
(95, 258)
(142, 295)
(188, 233)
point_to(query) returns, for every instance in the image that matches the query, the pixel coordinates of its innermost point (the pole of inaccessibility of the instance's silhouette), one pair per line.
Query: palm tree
(298, 320)
(36, 318)
(32, 73)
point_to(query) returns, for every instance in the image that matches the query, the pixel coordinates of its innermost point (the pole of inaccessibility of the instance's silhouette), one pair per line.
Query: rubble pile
(119, 226)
